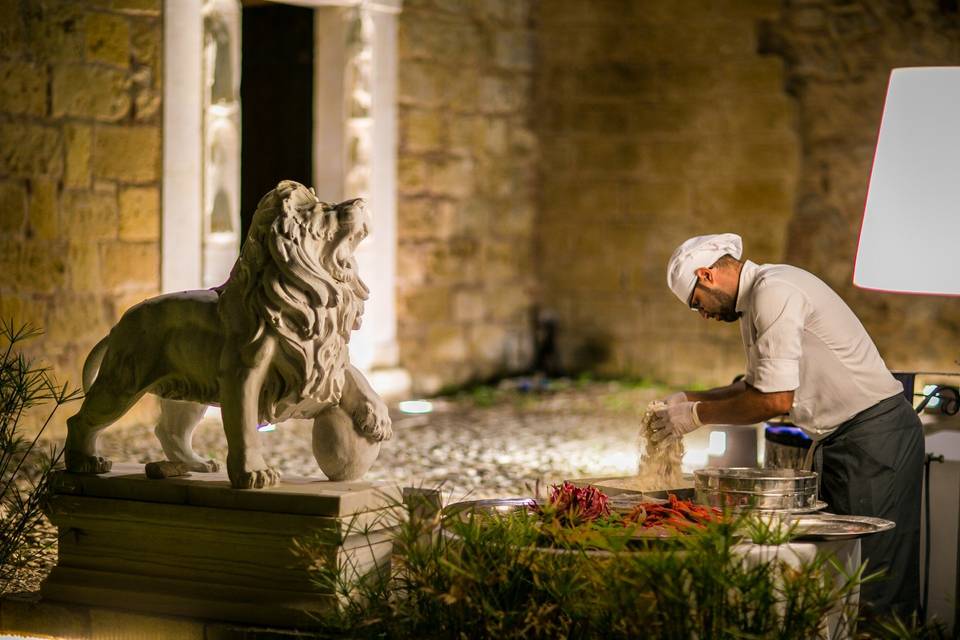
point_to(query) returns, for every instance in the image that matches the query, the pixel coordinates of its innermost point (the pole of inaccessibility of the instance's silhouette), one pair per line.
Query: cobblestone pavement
(491, 442)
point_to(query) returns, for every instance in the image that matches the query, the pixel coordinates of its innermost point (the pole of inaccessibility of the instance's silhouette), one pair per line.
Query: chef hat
(697, 252)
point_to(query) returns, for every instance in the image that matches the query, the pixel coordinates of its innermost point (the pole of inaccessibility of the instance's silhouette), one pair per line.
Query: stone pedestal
(193, 546)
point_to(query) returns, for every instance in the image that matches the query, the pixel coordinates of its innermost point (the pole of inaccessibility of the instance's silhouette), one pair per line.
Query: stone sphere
(341, 451)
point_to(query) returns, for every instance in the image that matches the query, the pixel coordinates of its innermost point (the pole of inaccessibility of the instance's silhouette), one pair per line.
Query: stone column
(355, 156)
(221, 139)
(181, 240)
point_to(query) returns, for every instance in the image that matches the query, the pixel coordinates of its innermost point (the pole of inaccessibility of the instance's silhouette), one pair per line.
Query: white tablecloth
(846, 552)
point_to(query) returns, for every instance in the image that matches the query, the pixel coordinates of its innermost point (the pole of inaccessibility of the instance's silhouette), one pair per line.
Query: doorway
(277, 96)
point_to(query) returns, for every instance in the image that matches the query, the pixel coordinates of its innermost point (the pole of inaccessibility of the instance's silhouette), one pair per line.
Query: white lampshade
(910, 238)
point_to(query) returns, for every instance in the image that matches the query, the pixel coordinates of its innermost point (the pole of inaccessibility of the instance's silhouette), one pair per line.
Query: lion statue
(268, 345)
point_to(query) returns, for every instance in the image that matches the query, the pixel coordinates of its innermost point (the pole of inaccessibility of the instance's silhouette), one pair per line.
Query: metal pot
(753, 488)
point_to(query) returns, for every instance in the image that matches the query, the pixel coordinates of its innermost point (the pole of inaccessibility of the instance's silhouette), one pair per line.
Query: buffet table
(846, 552)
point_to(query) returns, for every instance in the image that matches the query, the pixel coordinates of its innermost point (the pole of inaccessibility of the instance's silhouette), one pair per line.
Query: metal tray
(491, 506)
(827, 526)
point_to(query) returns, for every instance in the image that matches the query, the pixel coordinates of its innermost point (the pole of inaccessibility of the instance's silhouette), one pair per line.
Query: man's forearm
(720, 393)
(747, 407)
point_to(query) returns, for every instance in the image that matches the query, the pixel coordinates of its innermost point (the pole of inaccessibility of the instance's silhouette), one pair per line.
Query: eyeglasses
(690, 303)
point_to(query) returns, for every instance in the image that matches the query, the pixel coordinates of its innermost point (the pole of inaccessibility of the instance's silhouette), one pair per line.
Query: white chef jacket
(800, 336)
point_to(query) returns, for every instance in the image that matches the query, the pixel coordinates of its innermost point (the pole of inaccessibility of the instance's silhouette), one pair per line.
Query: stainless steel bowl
(754, 488)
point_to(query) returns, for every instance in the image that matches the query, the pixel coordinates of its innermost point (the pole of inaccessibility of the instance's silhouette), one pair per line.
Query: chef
(808, 356)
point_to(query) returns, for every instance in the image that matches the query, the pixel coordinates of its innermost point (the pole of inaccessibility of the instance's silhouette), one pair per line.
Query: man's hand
(673, 421)
(675, 398)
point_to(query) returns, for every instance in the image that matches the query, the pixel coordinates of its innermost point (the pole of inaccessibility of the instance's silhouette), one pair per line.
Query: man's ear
(704, 275)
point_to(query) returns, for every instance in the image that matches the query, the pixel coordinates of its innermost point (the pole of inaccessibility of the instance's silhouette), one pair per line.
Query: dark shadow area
(277, 97)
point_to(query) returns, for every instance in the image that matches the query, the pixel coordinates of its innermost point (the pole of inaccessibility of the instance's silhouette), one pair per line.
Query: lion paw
(257, 479)
(204, 466)
(77, 462)
(374, 421)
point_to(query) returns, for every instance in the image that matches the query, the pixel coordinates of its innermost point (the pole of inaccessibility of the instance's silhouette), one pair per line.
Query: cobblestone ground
(491, 442)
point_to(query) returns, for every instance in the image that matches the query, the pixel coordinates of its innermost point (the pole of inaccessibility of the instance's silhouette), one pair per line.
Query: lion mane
(296, 279)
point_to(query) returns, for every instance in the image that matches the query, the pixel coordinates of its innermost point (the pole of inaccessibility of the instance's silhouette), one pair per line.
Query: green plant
(512, 576)
(25, 471)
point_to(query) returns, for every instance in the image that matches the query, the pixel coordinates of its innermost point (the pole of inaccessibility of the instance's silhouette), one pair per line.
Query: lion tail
(91, 366)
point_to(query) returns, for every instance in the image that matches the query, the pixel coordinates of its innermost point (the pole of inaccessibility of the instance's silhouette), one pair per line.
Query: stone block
(513, 50)
(42, 213)
(138, 7)
(130, 264)
(23, 88)
(11, 28)
(145, 41)
(140, 213)
(743, 197)
(412, 174)
(108, 624)
(411, 267)
(770, 154)
(120, 304)
(500, 94)
(459, 91)
(44, 618)
(30, 150)
(452, 177)
(127, 154)
(189, 546)
(488, 344)
(432, 37)
(609, 156)
(762, 75)
(83, 267)
(448, 343)
(13, 206)
(25, 308)
(495, 135)
(418, 84)
(469, 305)
(422, 130)
(89, 215)
(466, 133)
(426, 218)
(32, 267)
(54, 32)
(775, 112)
(107, 38)
(75, 317)
(79, 142)
(429, 303)
(511, 304)
(656, 200)
(147, 102)
(87, 91)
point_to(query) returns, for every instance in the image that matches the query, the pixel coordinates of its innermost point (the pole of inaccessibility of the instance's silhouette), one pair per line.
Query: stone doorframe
(354, 152)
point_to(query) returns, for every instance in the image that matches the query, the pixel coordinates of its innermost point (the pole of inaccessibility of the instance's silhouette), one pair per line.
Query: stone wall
(467, 162)
(839, 57)
(658, 121)
(79, 168)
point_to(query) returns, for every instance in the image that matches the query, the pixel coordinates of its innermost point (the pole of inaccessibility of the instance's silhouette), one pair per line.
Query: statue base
(193, 546)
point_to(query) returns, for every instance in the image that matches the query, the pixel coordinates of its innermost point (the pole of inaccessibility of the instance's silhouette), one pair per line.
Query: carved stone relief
(221, 126)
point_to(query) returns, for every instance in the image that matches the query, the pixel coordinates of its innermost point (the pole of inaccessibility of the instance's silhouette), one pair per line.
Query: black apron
(872, 465)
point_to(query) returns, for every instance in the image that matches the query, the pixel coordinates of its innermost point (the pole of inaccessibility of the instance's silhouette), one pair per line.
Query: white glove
(674, 420)
(675, 398)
